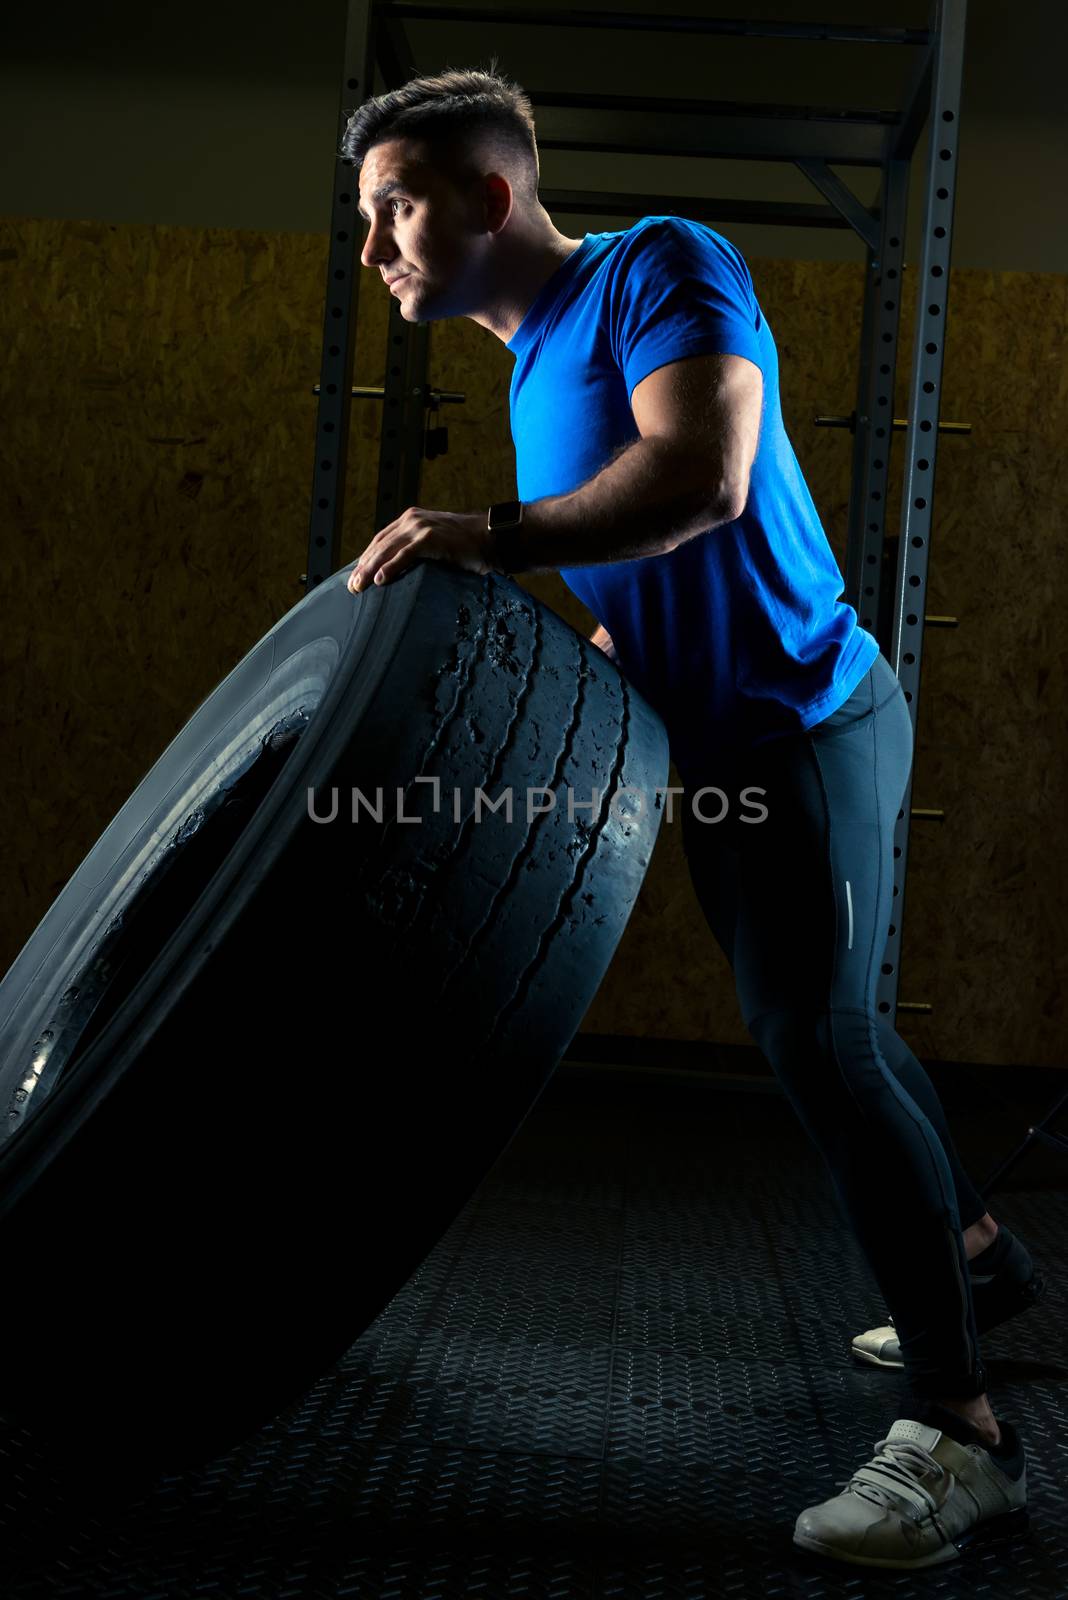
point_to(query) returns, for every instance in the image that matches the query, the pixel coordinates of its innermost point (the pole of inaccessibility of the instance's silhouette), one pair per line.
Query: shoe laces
(898, 1471)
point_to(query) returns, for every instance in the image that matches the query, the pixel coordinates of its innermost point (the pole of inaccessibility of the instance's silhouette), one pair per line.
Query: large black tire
(252, 1064)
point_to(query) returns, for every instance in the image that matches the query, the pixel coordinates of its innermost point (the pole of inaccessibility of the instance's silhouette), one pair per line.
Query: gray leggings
(800, 903)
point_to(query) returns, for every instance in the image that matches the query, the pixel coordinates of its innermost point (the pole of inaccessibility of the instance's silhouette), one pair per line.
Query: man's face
(424, 236)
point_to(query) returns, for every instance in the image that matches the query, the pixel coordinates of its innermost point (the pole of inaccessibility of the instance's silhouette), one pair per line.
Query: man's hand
(603, 640)
(460, 538)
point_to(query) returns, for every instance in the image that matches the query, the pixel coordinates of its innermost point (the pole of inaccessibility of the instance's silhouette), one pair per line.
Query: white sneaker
(879, 1347)
(921, 1500)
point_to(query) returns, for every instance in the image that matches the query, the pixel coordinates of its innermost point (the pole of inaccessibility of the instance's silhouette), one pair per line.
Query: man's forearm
(643, 503)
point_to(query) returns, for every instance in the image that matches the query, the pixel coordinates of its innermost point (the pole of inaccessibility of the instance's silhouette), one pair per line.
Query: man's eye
(397, 203)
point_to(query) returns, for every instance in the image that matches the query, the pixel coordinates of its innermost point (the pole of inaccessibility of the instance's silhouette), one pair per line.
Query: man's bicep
(710, 407)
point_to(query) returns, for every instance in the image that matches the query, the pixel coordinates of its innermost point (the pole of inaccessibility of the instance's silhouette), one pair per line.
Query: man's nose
(378, 246)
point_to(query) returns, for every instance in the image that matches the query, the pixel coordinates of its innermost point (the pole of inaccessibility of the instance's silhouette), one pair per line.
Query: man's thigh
(807, 890)
(712, 859)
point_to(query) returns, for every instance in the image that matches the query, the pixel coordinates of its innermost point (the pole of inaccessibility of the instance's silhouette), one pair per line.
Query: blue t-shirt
(738, 635)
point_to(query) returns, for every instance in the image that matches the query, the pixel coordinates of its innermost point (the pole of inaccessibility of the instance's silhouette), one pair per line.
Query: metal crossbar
(653, 22)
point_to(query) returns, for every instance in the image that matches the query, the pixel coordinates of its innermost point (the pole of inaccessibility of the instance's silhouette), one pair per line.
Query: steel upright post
(873, 428)
(339, 329)
(400, 453)
(925, 390)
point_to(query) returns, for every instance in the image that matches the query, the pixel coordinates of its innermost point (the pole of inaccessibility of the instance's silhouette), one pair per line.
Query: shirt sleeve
(681, 290)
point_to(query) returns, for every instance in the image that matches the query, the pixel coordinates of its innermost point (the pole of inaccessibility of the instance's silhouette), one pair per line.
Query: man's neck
(525, 268)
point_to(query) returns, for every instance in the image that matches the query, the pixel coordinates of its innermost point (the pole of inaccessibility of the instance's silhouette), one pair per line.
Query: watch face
(506, 514)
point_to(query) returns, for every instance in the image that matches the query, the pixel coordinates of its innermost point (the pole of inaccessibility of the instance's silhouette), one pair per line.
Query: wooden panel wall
(155, 465)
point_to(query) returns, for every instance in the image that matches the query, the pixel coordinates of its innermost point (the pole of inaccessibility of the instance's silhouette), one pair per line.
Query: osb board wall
(156, 462)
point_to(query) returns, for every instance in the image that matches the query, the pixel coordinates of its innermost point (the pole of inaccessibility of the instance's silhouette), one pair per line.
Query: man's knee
(811, 1042)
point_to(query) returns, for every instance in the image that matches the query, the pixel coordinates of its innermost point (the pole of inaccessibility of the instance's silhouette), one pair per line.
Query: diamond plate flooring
(622, 1373)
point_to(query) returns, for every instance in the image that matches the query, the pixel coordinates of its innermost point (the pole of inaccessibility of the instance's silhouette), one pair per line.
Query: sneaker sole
(868, 1359)
(1009, 1305)
(1010, 1525)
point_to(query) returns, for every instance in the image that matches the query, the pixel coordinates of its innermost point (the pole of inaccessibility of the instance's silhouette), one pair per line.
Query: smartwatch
(502, 516)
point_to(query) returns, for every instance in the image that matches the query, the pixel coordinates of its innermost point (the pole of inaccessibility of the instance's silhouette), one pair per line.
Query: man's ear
(497, 201)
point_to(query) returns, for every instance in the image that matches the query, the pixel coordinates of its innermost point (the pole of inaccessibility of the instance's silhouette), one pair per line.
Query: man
(656, 475)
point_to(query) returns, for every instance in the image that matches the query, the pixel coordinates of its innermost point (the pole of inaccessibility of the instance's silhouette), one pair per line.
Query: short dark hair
(447, 109)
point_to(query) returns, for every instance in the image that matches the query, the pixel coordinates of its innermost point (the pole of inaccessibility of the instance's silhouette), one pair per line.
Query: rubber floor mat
(622, 1373)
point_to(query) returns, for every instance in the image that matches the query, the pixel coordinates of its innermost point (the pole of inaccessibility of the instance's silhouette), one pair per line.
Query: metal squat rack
(814, 139)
